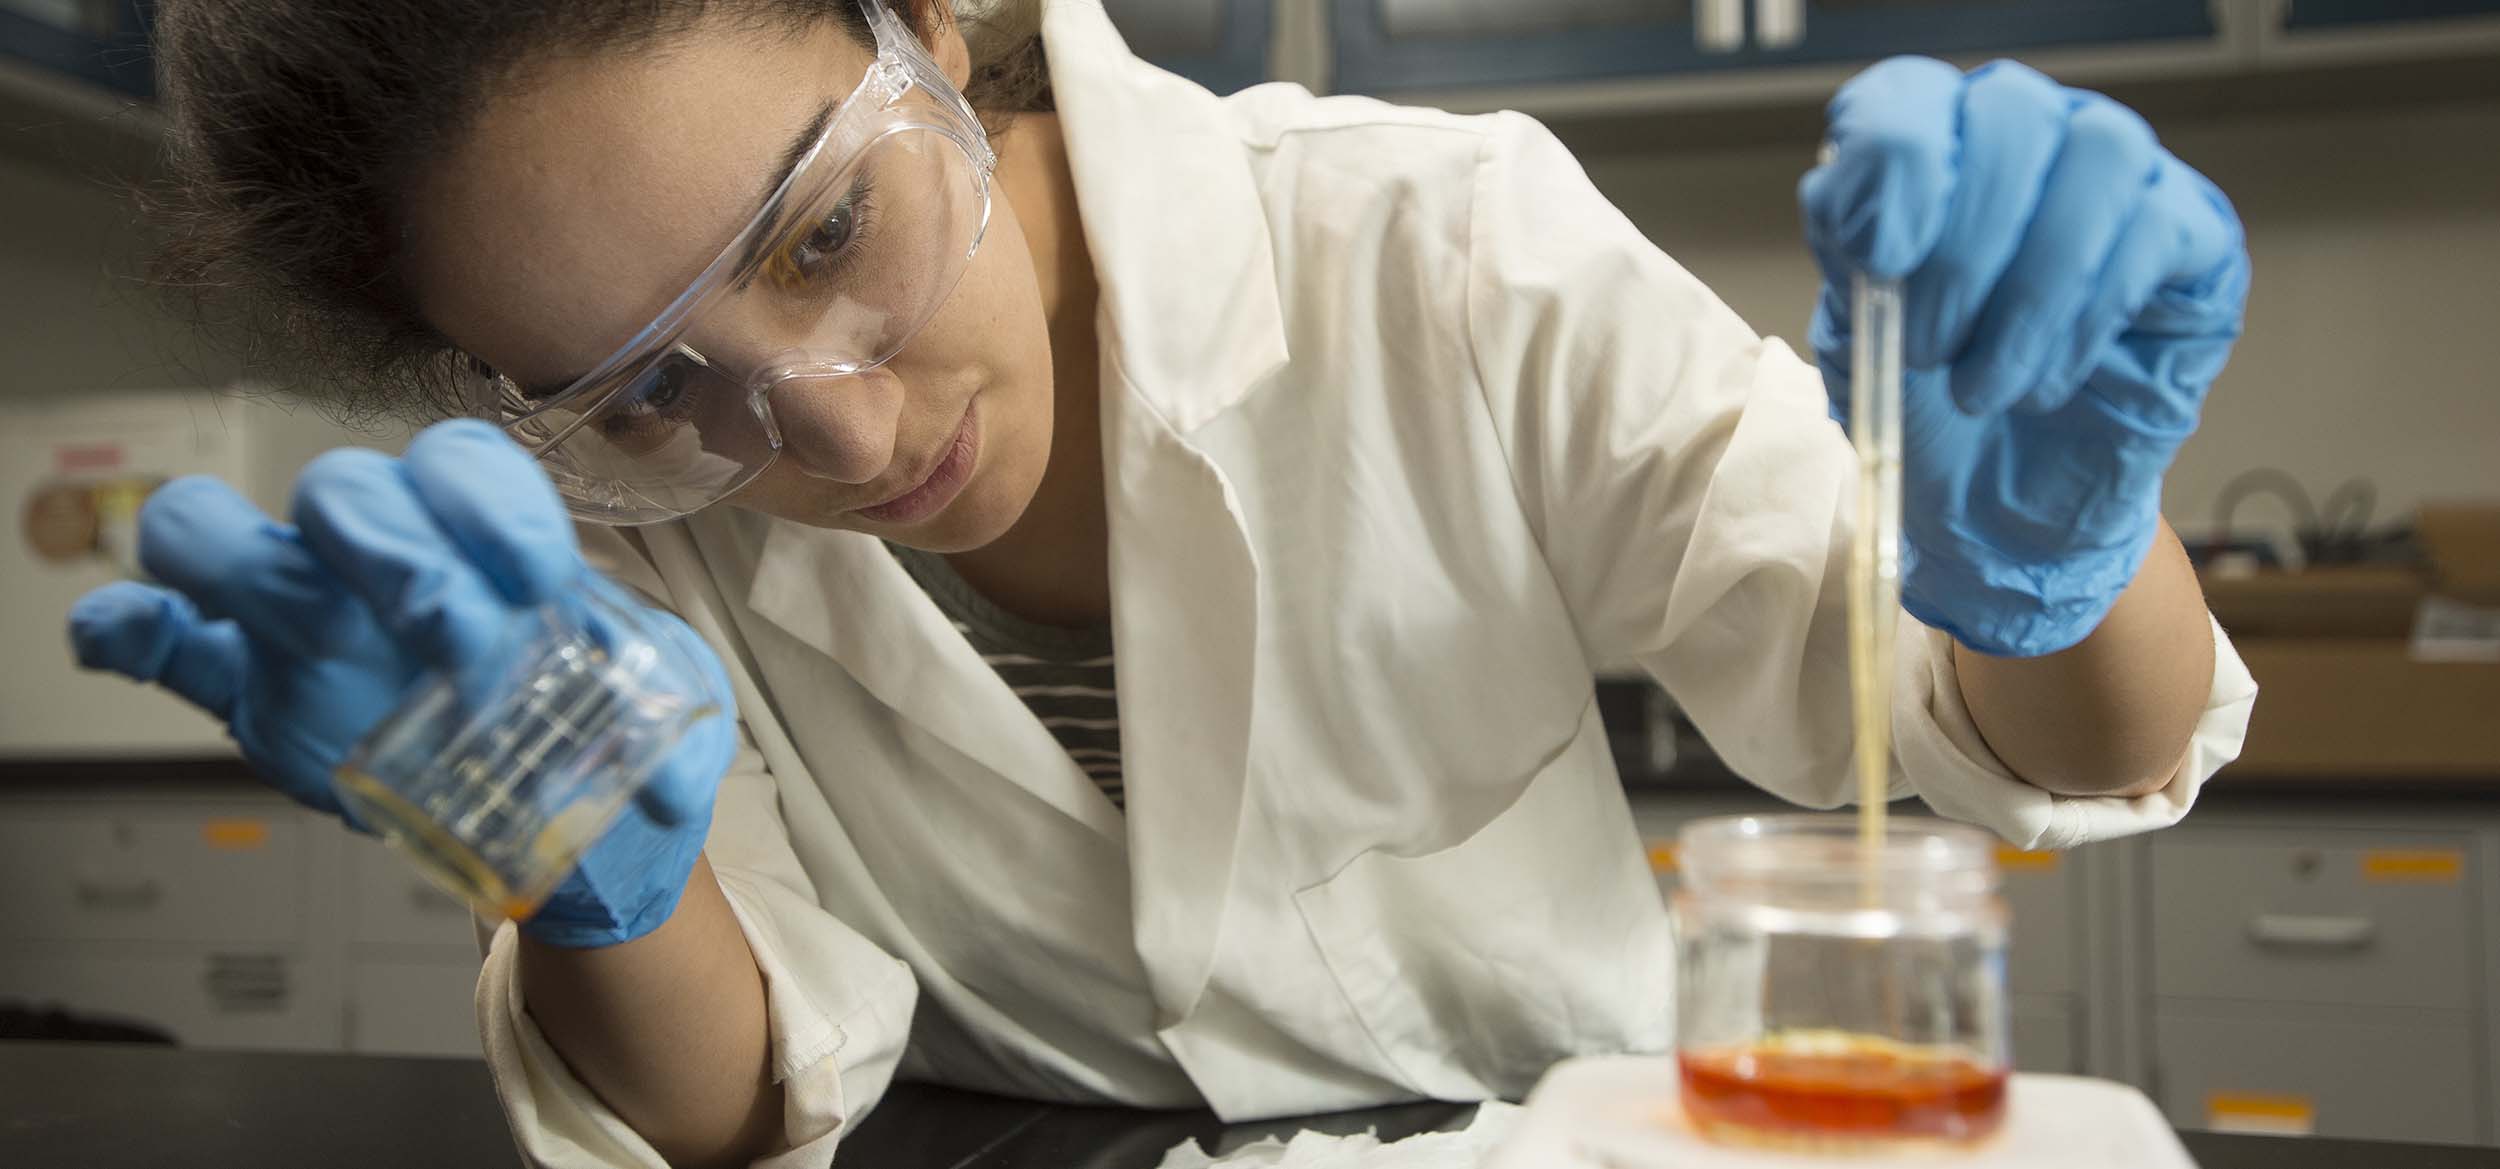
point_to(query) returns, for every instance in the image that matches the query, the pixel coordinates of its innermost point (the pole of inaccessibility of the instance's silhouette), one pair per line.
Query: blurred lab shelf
(1616, 76)
(65, 125)
(78, 100)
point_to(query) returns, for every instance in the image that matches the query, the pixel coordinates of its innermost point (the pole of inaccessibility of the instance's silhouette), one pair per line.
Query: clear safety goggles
(849, 257)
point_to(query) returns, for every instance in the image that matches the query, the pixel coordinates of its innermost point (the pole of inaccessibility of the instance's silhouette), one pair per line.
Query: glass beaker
(495, 781)
(1828, 1003)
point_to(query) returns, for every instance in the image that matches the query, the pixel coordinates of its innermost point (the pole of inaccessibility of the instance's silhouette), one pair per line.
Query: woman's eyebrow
(800, 144)
(791, 156)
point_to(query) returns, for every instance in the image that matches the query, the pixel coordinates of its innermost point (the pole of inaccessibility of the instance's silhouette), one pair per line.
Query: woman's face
(592, 189)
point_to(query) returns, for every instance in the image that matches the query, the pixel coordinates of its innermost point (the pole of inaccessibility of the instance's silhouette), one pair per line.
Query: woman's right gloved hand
(302, 636)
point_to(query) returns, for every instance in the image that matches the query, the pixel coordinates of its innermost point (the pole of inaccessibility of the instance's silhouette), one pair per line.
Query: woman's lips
(944, 483)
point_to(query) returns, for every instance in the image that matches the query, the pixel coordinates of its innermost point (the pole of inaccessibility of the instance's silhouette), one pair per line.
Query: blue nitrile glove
(2071, 290)
(303, 636)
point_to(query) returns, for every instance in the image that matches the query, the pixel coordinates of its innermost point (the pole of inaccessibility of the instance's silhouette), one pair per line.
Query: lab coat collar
(845, 595)
(1173, 217)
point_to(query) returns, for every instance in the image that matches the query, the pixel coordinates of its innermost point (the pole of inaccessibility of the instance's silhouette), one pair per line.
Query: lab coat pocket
(1538, 937)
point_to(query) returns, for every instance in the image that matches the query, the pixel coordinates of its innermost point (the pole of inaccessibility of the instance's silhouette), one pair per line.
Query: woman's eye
(659, 397)
(819, 250)
(831, 236)
(662, 389)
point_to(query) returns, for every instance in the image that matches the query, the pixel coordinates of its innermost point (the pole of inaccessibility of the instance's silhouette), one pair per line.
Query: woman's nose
(838, 427)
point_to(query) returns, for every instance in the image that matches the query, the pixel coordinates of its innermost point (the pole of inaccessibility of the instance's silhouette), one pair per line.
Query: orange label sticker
(235, 835)
(1662, 858)
(2016, 860)
(2276, 1115)
(2445, 866)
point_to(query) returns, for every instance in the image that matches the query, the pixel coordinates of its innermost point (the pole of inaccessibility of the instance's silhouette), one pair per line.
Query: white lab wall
(73, 314)
(76, 317)
(80, 333)
(2373, 347)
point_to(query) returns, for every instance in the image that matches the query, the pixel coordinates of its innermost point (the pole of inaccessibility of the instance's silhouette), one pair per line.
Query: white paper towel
(1620, 1112)
(1464, 1149)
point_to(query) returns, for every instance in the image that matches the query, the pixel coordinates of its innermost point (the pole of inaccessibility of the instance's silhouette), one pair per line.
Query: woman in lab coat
(1361, 432)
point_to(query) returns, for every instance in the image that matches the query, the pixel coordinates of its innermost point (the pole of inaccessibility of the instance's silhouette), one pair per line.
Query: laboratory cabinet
(1220, 44)
(412, 1007)
(204, 918)
(2299, 15)
(2322, 973)
(96, 42)
(225, 874)
(2362, 1073)
(1826, 31)
(1387, 46)
(273, 999)
(2316, 966)
(2364, 916)
(2048, 1034)
(2295, 33)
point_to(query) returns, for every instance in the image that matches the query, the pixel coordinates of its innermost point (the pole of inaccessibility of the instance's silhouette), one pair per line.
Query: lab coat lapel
(1185, 620)
(1173, 218)
(845, 594)
(1191, 324)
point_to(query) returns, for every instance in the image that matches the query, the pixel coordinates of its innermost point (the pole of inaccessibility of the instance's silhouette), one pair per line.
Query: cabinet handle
(136, 893)
(1779, 24)
(2298, 932)
(246, 982)
(1719, 25)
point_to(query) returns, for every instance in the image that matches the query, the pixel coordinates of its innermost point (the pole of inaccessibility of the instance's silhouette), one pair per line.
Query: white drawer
(413, 1008)
(2389, 1076)
(160, 872)
(392, 904)
(211, 1000)
(2047, 1034)
(2332, 916)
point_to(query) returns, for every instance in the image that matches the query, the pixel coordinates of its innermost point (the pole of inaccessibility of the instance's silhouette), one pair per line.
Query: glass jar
(1829, 1003)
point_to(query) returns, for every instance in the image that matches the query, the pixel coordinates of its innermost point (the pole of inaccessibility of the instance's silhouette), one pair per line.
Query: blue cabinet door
(2305, 14)
(1389, 45)
(102, 43)
(1451, 44)
(1220, 44)
(1867, 30)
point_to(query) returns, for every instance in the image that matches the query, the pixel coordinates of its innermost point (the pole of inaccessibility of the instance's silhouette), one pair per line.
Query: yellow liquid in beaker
(443, 859)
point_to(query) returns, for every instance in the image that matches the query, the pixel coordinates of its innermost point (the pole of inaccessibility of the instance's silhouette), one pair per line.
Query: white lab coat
(1404, 427)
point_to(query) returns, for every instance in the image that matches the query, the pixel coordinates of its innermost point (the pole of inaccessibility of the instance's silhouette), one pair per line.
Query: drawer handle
(141, 893)
(246, 982)
(2297, 932)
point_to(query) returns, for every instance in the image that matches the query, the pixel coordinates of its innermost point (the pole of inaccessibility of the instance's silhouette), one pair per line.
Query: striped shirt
(1063, 675)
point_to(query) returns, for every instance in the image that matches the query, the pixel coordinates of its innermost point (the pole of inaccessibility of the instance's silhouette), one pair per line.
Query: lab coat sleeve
(1693, 500)
(838, 1007)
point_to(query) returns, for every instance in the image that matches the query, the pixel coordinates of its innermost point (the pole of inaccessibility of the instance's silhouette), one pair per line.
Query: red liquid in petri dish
(1827, 1088)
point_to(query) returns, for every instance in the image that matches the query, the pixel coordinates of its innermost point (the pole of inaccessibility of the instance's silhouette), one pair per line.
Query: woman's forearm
(669, 1029)
(2113, 714)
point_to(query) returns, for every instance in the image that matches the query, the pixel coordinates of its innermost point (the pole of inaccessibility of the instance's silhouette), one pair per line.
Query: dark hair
(297, 123)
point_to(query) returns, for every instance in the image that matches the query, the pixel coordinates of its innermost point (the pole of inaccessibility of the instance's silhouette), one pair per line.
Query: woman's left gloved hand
(2070, 291)
(302, 636)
